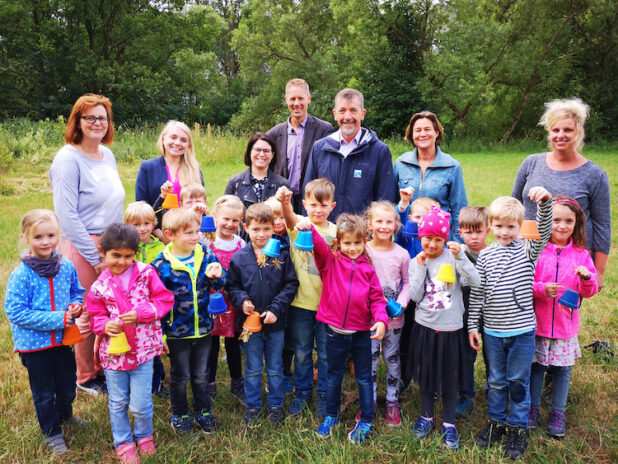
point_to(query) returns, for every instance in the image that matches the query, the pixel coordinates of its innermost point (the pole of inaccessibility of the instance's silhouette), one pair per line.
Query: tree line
(485, 67)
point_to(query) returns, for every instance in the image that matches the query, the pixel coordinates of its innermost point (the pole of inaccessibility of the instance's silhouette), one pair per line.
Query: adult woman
(429, 171)
(88, 196)
(174, 169)
(565, 171)
(258, 182)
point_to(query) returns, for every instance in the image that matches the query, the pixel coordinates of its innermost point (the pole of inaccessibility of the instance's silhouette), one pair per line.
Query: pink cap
(435, 223)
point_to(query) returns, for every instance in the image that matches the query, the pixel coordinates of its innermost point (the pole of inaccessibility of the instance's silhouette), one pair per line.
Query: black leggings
(449, 402)
(232, 349)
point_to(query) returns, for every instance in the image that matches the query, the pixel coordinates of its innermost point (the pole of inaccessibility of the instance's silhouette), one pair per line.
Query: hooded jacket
(554, 320)
(352, 297)
(365, 175)
(148, 252)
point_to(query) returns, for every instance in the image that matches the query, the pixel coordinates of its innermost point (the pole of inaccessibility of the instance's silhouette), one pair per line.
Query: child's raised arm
(544, 220)
(284, 196)
(322, 253)
(466, 270)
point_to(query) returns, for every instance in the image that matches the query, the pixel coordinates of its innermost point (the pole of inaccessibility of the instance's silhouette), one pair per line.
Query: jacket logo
(358, 173)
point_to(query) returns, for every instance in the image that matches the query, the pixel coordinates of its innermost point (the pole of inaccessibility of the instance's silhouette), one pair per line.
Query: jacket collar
(442, 159)
(367, 137)
(198, 256)
(246, 176)
(554, 248)
(138, 267)
(362, 259)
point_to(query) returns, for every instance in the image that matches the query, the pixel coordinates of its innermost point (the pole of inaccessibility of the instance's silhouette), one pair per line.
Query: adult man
(296, 137)
(352, 158)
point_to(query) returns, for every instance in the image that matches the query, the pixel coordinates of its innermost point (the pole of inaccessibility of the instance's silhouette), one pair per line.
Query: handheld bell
(118, 344)
(570, 299)
(529, 230)
(304, 241)
(272, 247)
(217, 304)
(446, 273)
(170, 201)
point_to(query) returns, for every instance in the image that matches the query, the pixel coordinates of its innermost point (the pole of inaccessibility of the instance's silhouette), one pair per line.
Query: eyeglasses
(266, 151)
(92, 119)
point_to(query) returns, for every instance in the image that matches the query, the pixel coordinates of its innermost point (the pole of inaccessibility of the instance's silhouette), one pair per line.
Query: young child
(43, 297)
(436, 353)
(564, 264)
(352, 305)
(228, 212)
(504, 301)
(128, 297)
(279, 230)
(189, 269)
(473, 228)
(194, 196)
(391, 263)
(266, 285)
(305, 329)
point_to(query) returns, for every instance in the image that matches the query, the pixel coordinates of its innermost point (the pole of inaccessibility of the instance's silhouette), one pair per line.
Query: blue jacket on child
(189, 318)
(36, 305)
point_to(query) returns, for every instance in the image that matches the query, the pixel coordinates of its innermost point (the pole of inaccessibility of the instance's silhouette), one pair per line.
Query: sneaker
(296, 406)
(557, 424)
(146, 446)
(275, 415)
(93, 387)
(325, 428)
(422, 427)
(56, 444)
(491, 435)
(393, 415)
(464, 406)
(212, 391)
(450, 438)
(288, 386)
(126, 453)
(206, 422)
(322, 406)
(360, 432)
(181, 423)
(516, 442)
(237, 389)
(534, 417)
(251, 416)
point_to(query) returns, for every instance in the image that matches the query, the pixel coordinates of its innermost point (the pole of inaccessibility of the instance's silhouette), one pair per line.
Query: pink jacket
(555, 265)
(148, 297)
(352, 297)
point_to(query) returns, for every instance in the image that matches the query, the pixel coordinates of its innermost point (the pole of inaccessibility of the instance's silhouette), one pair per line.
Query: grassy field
(592, 415)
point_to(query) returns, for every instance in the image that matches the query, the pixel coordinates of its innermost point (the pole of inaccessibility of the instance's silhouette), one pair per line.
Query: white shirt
(346, 148)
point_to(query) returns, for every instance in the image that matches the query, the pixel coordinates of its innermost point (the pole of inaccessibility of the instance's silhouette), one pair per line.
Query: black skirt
(436, 359)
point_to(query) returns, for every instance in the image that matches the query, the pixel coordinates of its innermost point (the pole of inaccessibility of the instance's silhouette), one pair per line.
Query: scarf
(43, 267)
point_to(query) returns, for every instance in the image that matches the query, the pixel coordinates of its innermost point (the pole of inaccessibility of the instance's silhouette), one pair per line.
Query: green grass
(592, 415)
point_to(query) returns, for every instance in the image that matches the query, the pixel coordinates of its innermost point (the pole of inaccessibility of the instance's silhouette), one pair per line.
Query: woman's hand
(269, 317)
(166, 188)
(129, 318)
(551, 289)
(539, 194)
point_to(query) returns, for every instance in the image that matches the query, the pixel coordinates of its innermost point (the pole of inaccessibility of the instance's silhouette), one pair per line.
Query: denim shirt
(443, 182)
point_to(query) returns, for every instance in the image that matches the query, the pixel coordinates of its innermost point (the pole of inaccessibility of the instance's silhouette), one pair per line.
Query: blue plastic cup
(272, 248)
(410, 229)
(304, 241)
(393, 309)
(217, 304)
(208, 224)
(570, 299)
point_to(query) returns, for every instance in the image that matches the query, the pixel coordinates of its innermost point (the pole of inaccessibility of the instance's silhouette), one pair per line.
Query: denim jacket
(443, 181)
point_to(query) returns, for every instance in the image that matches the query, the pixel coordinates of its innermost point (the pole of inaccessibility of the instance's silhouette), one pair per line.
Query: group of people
(383, 239)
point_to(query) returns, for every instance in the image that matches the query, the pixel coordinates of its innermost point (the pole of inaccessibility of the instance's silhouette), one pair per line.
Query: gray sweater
(88, 196)
(440, 305)
(588, 184)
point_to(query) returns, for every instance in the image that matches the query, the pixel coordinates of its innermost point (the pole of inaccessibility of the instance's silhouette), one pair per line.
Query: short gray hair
(349, 94)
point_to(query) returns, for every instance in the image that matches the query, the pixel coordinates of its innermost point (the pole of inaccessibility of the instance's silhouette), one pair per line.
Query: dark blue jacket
(365, 175)
(270, 288)
(240, 185)
(411, 244)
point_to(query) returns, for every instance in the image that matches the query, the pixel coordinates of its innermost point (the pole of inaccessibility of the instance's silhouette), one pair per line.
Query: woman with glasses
(88, 196)
(259, 182)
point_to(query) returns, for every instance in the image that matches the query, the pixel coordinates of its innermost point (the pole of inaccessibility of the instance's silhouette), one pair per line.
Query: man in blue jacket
(352, 158)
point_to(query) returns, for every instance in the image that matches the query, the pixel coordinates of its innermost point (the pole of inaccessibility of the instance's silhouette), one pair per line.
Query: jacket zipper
(53, 307)
(347, 306)
(553, 307)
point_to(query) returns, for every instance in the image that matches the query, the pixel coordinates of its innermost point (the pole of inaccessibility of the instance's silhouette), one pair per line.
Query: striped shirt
(504, 298)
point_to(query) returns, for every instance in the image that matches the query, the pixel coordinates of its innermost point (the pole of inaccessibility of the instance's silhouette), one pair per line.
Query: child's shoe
(181, 423)
(296, 406)
(360, 432)
(237, 389)
(56, 444)
(146, 446)
(534, 417)
(557, 424)
(251, 416)
(288, 387)
(450, 438)
(490, 435)
(126, 453)
(212, 391)
(93, 387)
(393, 415)
(275, 415)
(516, 442)
(464, 406)
(422, 427)
(206, 422)
(325, 428)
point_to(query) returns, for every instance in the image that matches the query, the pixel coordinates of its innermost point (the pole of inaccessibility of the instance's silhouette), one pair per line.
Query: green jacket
(148, 252)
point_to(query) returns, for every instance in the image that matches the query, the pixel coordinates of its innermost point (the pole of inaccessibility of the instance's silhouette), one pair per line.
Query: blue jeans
(509, 359)
(467, 389)
(359, 346)
(130, 390)
(52, 379)
(269, 346)
(561, 376)
(305, 329)
(189, 361)
(158, 374)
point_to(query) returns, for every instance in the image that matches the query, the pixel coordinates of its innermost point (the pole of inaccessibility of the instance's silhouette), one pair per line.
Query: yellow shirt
(310, 288)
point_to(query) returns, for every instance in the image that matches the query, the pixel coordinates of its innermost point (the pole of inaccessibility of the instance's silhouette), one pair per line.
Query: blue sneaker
(296, 406)
(464, 406)
(450, 438)
(422, 427)
(288, 387)
(326, 426)
(181, 423)
(360, 432)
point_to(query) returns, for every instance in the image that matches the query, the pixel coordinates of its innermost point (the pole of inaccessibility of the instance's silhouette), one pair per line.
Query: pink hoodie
(558, 265)
(148, 297)
(352, 297)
